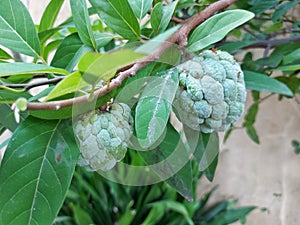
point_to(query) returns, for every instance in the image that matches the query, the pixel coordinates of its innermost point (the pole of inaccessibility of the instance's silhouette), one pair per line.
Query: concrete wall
(265, 175)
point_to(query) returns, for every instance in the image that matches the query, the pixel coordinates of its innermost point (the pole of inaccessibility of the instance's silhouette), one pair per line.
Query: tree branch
(179, 37)
(264, 43)
(35, 84)
(273, 43)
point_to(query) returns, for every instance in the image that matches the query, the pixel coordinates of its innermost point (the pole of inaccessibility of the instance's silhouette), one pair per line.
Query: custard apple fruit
(212, 91)
(103, 136)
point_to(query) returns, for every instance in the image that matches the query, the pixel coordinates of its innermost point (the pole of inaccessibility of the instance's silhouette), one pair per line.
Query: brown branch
(179, 37)
(28, 86)
(273, 43)
(177, 20)
(264, 43)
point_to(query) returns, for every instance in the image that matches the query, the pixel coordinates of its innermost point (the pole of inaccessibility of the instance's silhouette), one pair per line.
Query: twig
(250, 32)
(28, 86)
(273, 43)
(179, 37)
(177, 20)
(264, 43)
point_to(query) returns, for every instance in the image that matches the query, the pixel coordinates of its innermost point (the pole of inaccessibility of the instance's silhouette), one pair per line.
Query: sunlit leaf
(96, 66)
(4, 54)
(50, 14)
(16, 68)
(69, 52)
(69, 84)
(161, 16)
(18, 32)
(289, 67)
(119, 16)
(215, 28)
(82, 22)
(140, 7)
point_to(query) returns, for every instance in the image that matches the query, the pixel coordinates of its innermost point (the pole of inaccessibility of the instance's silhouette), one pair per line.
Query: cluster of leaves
(42, 151)
(92, 199)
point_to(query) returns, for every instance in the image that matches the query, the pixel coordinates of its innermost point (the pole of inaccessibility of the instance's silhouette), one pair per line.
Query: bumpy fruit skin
(212, 91)
(103, 136)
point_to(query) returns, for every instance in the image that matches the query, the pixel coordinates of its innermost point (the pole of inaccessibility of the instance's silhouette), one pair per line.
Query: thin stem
(273, 43)
(265, 43)
(27, 87)
(179, 37)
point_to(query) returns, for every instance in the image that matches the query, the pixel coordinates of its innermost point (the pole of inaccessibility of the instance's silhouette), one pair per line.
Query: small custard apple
(212, 91)
(103, 136)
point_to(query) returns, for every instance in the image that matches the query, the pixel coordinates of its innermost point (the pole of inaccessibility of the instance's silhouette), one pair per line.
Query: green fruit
(103, 136)
(212, 91)
(21, 104)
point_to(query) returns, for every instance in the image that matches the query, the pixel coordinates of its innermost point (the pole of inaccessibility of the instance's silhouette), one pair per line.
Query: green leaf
(81, 217)
(155, 42)
(9, 96)
(251, 114)
(140, 7)
(215, 28)
(295, 144)
(50, 15)
(283, 9)
(4, 143)
(206, 154)
(118, 16)
(82, 22)
(69, 52)
(127, 217)
(16, 68)
(36, 171)
(4, 54)
(69, 84)
(7, 118)
(102, 39)
(259, 6)
(18, 32)
(171, 159)
(261, 82)
(64, 113)
(161, 16)
(51, 46)
(96, 66)
(161, 207)
(292, 82)
(231, 216)
(234, 46)
(251, 131)
(153, 108)
(291, 57)
(46, 34)
(289, 67)
(210, 214)
(156, 213)
(69, 112)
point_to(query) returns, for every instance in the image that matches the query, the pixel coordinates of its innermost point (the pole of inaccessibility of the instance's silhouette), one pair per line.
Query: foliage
(94, 200)
(128, 47)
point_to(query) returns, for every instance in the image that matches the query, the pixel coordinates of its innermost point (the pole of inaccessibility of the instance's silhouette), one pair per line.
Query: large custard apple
(103, 136)
(212, 91)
